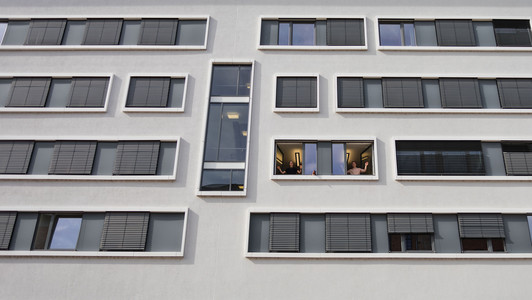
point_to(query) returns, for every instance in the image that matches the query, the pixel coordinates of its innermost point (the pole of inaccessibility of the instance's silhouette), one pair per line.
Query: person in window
(290, 170)
(356, 171)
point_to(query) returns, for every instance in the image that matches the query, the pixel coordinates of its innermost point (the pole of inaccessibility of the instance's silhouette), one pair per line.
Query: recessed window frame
(396, 18)
(95, 177)
(304, 139)
(310, 18)
(80, 210)
(296, 109)
(205, 18)
(478, 178)
(65, 109)
(425, 110)
(226, 99)
(125, 92)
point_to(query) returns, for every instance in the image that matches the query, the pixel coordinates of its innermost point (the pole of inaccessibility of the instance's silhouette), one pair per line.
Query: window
(455, 33)
(512, 33)
(517, 158)
(515, 93)
(397, 33)
(410, 232)
(50, 93)
(311, 32)
(105, 158)
(93, 231)
(15, 156)
(324, 157)
(145, 32)
(7, 223)
(482, 232)
(162, 92)
(57, 232)
(225, 150)
(297, 92)
(460, 93)
(439, 158)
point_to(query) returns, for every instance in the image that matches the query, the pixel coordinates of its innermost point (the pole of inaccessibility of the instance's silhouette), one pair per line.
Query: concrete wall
(214, 265)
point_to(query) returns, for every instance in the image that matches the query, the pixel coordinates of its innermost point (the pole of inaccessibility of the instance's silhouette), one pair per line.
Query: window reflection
(303, 34)
(390, 34)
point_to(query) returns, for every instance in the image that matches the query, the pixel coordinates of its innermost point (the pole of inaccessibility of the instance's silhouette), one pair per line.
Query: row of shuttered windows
(87, 231)
(362, 232)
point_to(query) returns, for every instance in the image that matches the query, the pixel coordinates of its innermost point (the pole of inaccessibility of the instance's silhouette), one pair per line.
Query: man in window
(291, 170)
(356, 171)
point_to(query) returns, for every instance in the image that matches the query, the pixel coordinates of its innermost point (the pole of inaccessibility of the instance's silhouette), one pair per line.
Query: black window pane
(418, 242)
(474, 244)
(216, 180)
(233, 132)
(395, 242)
(497, 245)
(237, 180)
(512, 33)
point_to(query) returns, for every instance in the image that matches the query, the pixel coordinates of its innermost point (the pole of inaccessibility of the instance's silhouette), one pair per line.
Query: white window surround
(447, 48)
(60, 109)
(125, 93)
(107, 47)
(312, 48)
(99, 254)
(212, 63)
(522, 111)
(301, 177)
(95, 177)
(297, 109)
(365, 256)
(485, 178)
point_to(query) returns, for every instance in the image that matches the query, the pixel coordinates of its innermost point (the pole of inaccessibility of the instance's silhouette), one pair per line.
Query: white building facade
(204, 150)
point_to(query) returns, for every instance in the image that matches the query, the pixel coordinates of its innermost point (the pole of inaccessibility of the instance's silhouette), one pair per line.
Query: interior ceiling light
(233, 115)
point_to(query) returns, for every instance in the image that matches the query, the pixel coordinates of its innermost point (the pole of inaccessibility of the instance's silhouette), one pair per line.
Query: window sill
(52, 109)
(433, 111)
(100, 47)
(463, 178)
(153, 109)
(89, 254)
(391, 255)
(326, 177)
(296, 110)
(450, 48)
(313, 48)
(221, 193)
(89, 177)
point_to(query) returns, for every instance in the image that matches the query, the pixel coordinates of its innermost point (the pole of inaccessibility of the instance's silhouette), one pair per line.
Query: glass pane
(310, 158)
(497, 245)
(216, 180)
(233, 133)
(213, 132)
(303, 34)
(3, 28)
(474, 244)
(224, 81)
(16, 33)
(59, 93)
(431, 162)
(425, 33)
(390, 34)
(5, 88)
(74, 33)
(454, 162)
(338, 159)
(177, 87)
(191, 32)
(66, 233)
(420, 242)
(395, 242)
(244, 81)
(39, 241)
(284, 33)
(237, 180)
(408, 162)
(409, 34)
(130, 33)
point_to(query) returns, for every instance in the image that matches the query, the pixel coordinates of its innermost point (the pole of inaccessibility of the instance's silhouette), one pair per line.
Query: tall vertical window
(224, 157)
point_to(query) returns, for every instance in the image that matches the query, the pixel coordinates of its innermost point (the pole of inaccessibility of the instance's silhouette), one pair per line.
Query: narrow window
(224, 158)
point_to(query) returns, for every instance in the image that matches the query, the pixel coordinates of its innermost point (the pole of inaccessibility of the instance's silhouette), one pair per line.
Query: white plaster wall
(214, 266)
